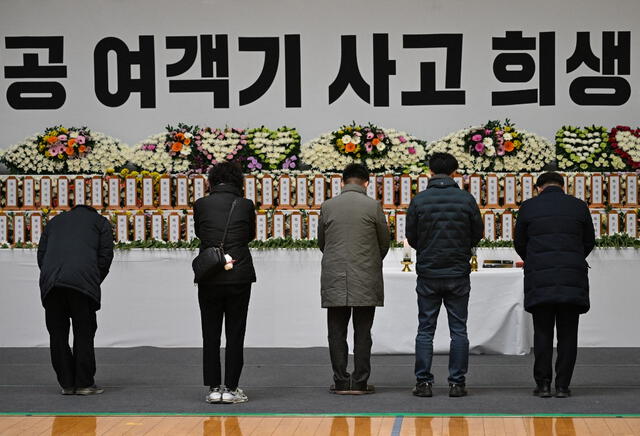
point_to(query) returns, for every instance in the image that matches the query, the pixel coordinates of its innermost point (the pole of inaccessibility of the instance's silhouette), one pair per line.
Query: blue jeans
(455, 295)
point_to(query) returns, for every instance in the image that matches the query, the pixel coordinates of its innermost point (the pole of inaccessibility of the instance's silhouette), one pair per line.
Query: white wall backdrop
(320, 25)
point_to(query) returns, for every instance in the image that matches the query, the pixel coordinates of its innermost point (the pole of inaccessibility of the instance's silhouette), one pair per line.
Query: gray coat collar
(352, 187)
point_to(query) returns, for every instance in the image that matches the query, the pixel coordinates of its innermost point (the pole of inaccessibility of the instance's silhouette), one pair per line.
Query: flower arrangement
(167, 152)
(378, 148)
(218, 145)
(625, 142)
(274, 148)
(585, 149)
(495, 146)
(66, 150)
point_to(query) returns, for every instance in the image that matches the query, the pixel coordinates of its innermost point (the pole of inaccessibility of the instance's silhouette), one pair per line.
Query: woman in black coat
(225, 294)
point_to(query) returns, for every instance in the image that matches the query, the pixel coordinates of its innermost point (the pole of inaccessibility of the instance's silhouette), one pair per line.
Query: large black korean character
(271, 48)
(520, 67)
(428, 94)
(209, 55)
(613, 54)
(18, 92)
(145, 84)
(349, 72)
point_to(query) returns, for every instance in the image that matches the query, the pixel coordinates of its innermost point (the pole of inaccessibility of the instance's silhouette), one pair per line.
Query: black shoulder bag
(211, 259)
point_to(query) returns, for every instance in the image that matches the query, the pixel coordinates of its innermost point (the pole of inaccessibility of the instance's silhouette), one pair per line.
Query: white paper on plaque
(527, 188)
(267, 191)
(96, 192)
(401, 226)
(174, 228)
(405, 190)
(165, 188)
(191, 228)
(507, 226)
(632, 190)
(18, 228)
(579, 188)
(631, 220)
(114, 192)
(28, 192)
(460, 181)
(387, 190)
(318, 191)
(510, 190)
(423, 182)
(130, 185)
(121, 227)
(80, 191)
(597, 223)
(613, 224)
(336, 186)
(475, 189)
(198, 188)
(261, 227)
(285, 191)
(301, 191)
(3, 229)
(296, 226)
(147, 192)
(12, 193)
(156, 227)
(138, 227)
(596, 190)
(63, 192)
(278, 226)
(250, 188)
(614, 190)
(313, 226)
(372, 187)
(490, 226)
(183, 194)
(36, 227)
(45, 192)
(492, 191)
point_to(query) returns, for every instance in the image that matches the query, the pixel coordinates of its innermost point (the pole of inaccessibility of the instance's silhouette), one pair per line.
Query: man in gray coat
(354, 238)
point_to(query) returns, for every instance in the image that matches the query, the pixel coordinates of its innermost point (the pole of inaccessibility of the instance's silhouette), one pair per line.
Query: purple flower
(487, 131)
(294, 157)
(402, 140)
(479, 147)
(476, 138)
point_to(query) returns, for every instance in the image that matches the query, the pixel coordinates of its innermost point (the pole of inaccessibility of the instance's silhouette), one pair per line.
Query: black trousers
(230, 303)
(74, 368)
(564, 318)
(337, 323)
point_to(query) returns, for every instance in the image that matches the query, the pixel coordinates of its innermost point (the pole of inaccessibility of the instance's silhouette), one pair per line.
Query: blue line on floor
(397, 426)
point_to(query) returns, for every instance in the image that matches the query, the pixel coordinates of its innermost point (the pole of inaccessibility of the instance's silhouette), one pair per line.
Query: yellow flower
(507, 129)
(110, 170)
(339, 142)
(45, 210)
(60, 156)
(124, 172)
(145, 173)
(134, 173)
(517, 143)
(340, 132)
(63, 130)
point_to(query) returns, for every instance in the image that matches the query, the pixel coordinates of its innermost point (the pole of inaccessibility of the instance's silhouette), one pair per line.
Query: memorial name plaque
(296, 225)
(18, 228)
(372, 187)
(336, 185)
(580, 187)
(526, 182)
(11, 199)
(631, 224)
(596, 190)
(139, 227)
(631, 195)
(475, 186)
(131, 193)
(197, 182)
(174, 227)
(319, 185)
(423, 182)
(63, 193)
(489, 226)
(278, 225)
(613, 223)
(113, 185)
(405, 191)
(510, 197)
(96, 192)
(284, 192)
(45, 192)
(165, 192)
(79, 190)
(302, 192)
(507, 226)
(261, 226)
(28, 193)
(36, 227)
(250, 188)
(492, 193)
(388, 192)
(267, 192)
(122, 227)
(401, 226)
(312, 225)
(147, 192)
(614, 190)
(597, 223)
(182, 192)
(157, 226)
(4, 228)
(190, 226)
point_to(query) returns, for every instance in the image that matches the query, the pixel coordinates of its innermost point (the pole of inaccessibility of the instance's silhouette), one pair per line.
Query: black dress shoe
(339, 390)
(422, 389)
(563, 392)
(543, 390)
(457, 390)
(362, 390)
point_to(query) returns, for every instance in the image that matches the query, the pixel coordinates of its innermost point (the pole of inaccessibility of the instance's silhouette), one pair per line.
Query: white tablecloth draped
(148, 299)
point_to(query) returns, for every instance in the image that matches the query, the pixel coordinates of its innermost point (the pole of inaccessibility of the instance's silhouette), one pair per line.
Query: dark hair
(443, 163)
(226, 172)
(549, 178)
(355, 171)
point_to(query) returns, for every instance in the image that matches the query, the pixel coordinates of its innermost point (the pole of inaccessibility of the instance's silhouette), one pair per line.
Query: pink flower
(479, 147)
(369, 135)
(476, 138)
(80, 139)
(209, 157)
(229, 156)
(500, 151)
(62, 137)
(487, 131)
(239, 147)
(380, 136)
(221, 136)
(402, 139)
(411, 150)
(368, 147)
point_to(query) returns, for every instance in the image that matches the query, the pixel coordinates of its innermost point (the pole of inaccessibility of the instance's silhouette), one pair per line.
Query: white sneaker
(214, 396)
(232, 397)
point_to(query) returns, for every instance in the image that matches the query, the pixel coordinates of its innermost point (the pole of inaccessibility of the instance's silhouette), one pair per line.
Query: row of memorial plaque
(488, 191)
(175, 227)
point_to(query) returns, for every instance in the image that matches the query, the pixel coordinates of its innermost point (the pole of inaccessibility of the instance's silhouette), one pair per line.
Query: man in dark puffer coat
(554, 234)
(443, 225)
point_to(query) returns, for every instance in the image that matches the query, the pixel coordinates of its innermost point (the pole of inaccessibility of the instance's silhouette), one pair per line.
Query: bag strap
(226, 227)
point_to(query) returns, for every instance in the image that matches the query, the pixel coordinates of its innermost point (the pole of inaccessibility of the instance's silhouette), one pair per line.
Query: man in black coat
(74, 256)
(443, 225)
(554, 234)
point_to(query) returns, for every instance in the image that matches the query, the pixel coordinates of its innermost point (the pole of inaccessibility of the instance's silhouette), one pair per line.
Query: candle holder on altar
(474, 259)
(406, 257)
(406, 262)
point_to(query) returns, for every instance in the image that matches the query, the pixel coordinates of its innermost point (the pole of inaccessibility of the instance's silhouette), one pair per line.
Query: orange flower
(71, 142)
(508, 146)
(375, 141)
(350, 147)
(187, 141)
(51, 139)
(176, 146)
(180, 136)
(69, 151)
(82, 149)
